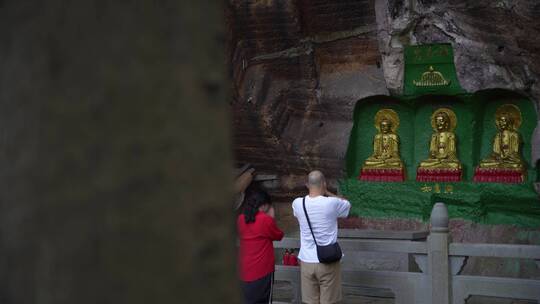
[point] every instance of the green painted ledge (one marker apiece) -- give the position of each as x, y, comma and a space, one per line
479, 202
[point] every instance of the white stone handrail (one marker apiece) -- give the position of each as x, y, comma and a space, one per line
440, 263
398, 246
496, 250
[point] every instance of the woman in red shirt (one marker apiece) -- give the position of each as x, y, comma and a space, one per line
257, 229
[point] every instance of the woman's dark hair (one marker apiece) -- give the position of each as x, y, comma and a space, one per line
254, 199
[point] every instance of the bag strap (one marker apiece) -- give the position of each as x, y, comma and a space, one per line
307, 218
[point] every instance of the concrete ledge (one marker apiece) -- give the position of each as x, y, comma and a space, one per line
466, 286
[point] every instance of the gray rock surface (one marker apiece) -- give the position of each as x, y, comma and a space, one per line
496, 43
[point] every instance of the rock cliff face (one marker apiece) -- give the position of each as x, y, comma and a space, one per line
298, 68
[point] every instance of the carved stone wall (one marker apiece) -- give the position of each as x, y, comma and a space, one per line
496, 43
298, 68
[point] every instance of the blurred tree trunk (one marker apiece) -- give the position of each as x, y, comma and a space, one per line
114, 153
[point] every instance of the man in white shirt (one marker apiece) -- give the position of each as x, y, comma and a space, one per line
321, 283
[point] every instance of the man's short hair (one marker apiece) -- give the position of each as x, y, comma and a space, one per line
315, 179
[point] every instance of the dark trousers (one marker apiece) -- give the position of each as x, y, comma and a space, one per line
259, 291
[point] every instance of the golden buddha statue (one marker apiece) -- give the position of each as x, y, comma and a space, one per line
507, 142
386, 142
442, 147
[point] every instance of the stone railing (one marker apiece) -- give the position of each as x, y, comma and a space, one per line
439, 261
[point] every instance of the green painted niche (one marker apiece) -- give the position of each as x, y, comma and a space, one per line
488, 203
